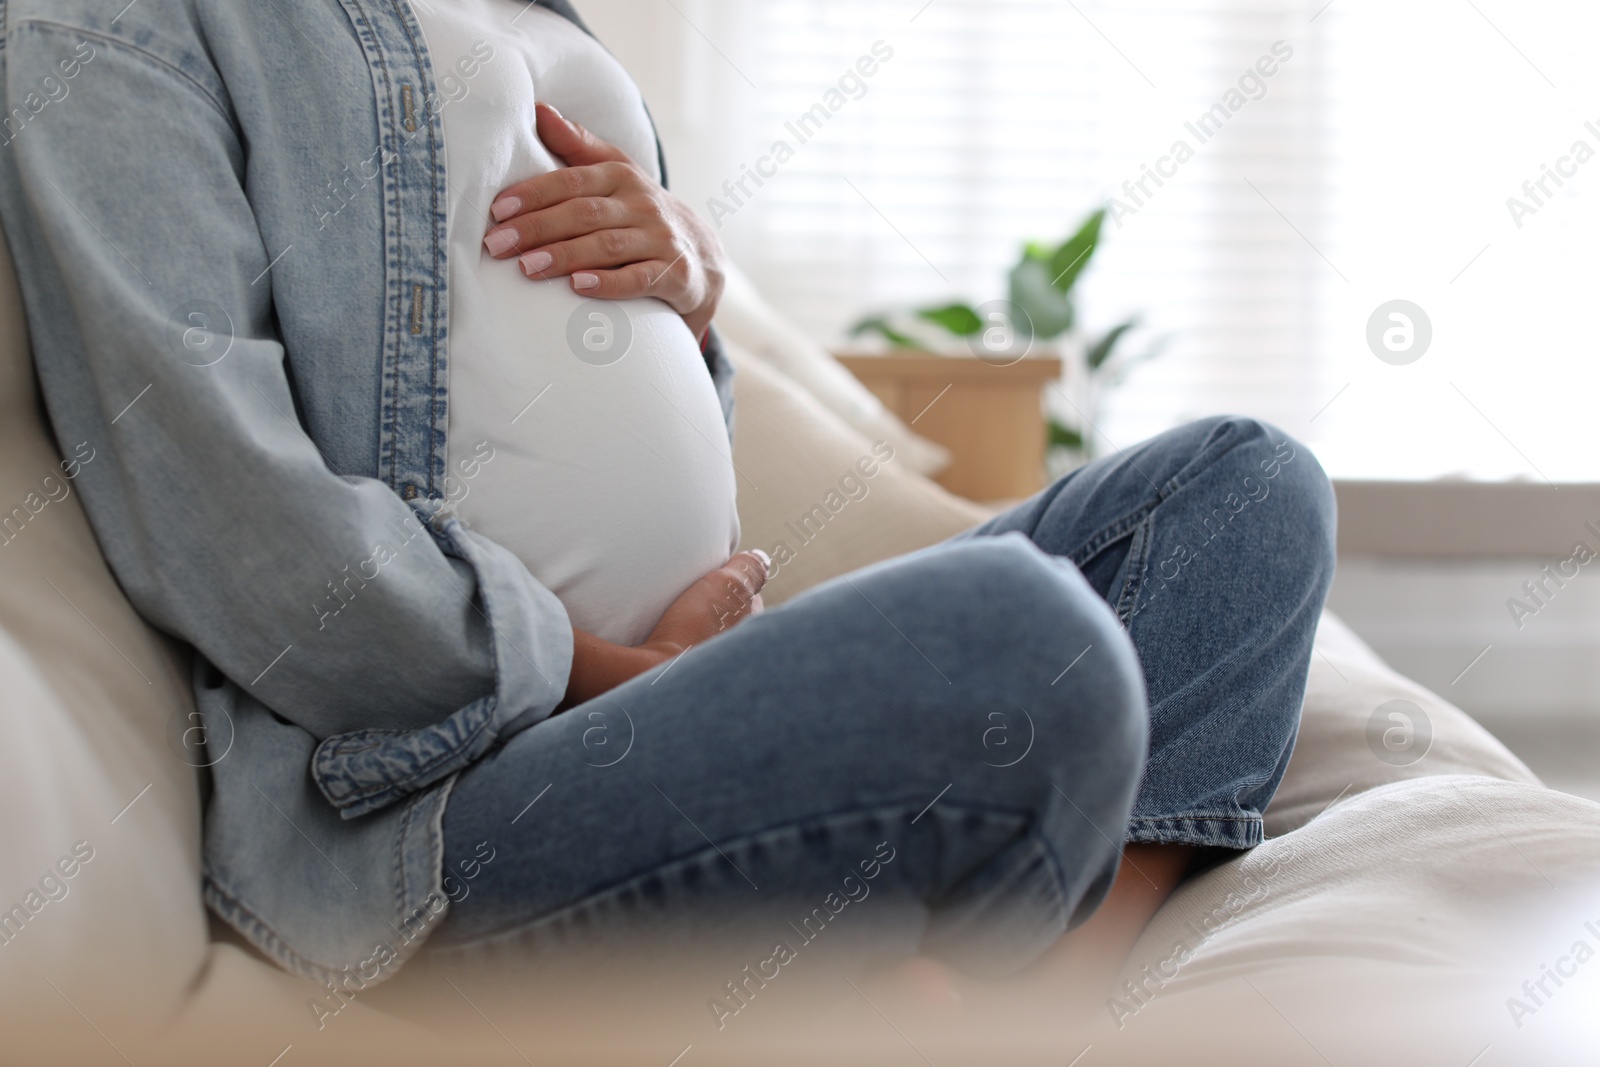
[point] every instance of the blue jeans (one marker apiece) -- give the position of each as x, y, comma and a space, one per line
967, 734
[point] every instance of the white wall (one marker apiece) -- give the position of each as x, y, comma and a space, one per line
1430, 619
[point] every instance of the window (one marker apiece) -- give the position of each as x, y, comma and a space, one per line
1373, 164
1437, 114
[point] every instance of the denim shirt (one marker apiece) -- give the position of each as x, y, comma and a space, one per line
228, 220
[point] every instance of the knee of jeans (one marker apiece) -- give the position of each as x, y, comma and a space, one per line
1006, 583
1272, 462
1052, 625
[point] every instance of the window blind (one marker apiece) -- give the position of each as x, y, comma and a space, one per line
998, 122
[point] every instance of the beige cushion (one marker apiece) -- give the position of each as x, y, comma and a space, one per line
1401, 895
1391, 929
89, 694
1344, 727
800, 474
745, 318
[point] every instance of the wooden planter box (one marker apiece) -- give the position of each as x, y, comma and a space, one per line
990, 417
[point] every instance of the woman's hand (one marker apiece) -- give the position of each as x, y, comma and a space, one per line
606, 223
726, 596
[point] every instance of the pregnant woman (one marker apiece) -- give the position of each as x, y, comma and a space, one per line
417, 433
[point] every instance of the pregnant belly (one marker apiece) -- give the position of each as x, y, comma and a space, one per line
612, 477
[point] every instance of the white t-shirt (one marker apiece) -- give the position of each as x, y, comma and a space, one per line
611, 478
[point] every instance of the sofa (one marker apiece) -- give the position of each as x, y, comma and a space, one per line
1415, 889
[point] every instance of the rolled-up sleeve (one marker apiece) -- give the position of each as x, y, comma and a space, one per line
400, 640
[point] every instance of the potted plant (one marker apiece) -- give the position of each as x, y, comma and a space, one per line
1039, 317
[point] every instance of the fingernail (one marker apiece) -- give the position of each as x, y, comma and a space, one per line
537, 261
586, 281
766, 560
505, 207
500, 241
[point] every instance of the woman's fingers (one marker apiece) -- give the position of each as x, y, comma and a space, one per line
558, 186
654, 277
754, 567
574, 218
593, 168
602, 250
575, 146
742, 578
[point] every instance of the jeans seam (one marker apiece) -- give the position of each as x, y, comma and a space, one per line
1158, 819
1131, 522
1112, 532
1137, 559
1235, 831
1057, 873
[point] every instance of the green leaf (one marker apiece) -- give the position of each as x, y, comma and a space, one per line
1038, 250
879, 325
959, 319
1047, 308
1075, 253
1101, 350
1064, 436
